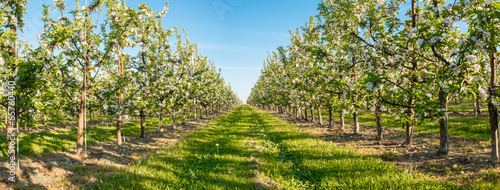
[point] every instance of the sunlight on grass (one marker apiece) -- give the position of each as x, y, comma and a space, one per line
252, 143
65, 139
474, 128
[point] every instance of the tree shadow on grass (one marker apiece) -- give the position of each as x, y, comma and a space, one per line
309, 162
50, 154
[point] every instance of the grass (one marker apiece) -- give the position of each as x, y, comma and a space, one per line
65, 139
254, 146
55, 121
474, 128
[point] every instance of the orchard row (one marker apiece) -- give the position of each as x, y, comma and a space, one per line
105, 57
405, 58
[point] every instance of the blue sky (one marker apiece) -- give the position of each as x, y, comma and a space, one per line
235, 34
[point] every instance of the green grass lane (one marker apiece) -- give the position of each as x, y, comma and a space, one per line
65, 139
473, 128
254, 146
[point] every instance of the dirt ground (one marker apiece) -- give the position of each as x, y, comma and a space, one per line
62, 170
466, 163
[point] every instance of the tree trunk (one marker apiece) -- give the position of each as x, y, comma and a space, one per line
342, 123
79, 140
195, 110
409, 133
312, 115
184, 116
173, 120
305, 112
443, 125
45, 120
409, 126
494, 131
160, 120
330, 117
143, 124
493, 110
478, 106
6, 120
201, 112
380, 135
474, 107
11, 141
319, 116
119, 122
119, 130
190, 112
356, 122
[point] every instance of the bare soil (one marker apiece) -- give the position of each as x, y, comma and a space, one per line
63, 170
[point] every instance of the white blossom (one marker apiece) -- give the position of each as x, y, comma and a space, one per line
472, 58
369, 86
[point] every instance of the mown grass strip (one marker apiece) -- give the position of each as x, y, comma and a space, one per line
473, 128
285, 157
65, 139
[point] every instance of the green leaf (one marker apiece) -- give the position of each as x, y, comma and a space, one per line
424, 29
473, 93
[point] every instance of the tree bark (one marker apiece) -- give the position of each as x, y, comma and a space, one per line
11, 139
184, 116
443, 125
160, 120
201, 112
493, 110
173, 120
409, 126
312, 115
143, 124
380, 135
478, 105
79, 140
81, 119
305, 112
319, 116
119, 122
195, 110
356, 122
342, 124
474, 107
409, 133
6, 119
330, 117
190, 112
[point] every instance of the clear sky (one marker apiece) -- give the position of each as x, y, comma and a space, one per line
235, 34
